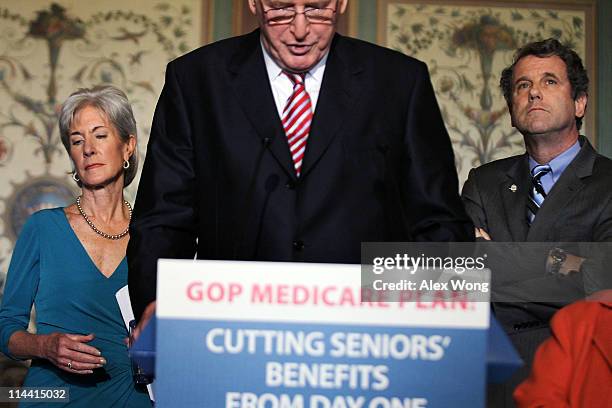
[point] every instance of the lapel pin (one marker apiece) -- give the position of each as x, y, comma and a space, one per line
513, 188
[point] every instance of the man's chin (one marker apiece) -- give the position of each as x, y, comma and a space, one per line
300, 63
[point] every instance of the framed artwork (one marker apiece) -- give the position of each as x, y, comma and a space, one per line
48, 49
466, 44
208, 16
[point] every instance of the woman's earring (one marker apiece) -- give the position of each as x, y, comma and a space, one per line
75, 177
126, 164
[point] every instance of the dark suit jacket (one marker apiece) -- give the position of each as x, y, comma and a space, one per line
577, 209
378, 165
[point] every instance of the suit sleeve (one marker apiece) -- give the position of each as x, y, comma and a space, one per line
431, 184
165, 214
21, 285
596, 269
594, 274
473, 202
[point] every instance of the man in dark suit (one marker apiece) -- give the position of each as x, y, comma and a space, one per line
292, 143
558, 191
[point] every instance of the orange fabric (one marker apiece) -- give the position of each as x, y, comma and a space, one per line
573, 368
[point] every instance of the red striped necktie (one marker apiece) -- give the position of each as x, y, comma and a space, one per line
297, 117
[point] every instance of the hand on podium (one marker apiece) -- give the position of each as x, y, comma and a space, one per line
148, 313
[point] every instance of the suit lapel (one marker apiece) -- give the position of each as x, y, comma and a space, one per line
514, 191
562, 193
339, 89
252, 89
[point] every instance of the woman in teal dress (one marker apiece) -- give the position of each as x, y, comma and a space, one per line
69, 263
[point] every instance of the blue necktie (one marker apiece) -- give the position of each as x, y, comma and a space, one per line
537, 193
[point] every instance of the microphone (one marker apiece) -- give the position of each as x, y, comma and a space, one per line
271, 185
243, 224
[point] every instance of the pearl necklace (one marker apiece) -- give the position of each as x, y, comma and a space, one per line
96, 230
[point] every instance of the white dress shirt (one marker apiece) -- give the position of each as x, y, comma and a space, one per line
282, 87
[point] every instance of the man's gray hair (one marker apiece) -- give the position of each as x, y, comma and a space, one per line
113, 103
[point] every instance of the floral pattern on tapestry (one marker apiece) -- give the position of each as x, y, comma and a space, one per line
466, 48
48, 50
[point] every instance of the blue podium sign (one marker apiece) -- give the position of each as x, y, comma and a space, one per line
267, 335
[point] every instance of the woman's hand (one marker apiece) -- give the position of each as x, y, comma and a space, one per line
70, 353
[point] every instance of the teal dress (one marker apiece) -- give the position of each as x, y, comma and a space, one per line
51, 269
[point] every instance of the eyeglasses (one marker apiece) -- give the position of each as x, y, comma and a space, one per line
286, 15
